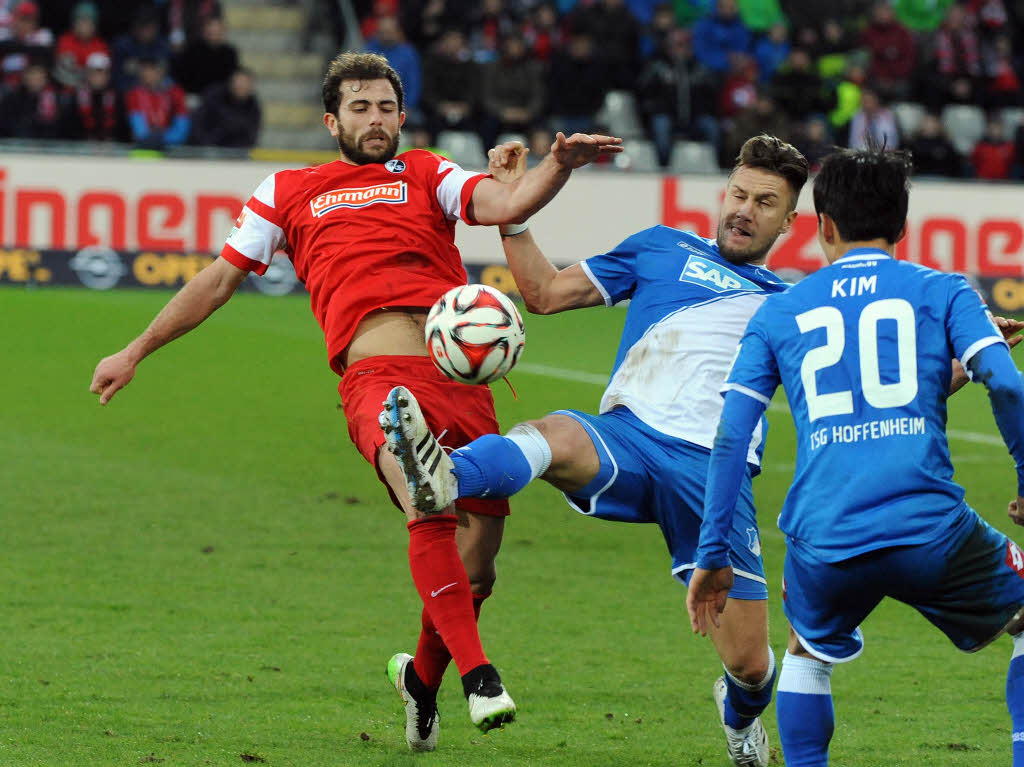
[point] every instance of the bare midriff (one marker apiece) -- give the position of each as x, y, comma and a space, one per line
387, 331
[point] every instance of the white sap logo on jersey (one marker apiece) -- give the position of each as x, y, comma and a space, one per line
703, 271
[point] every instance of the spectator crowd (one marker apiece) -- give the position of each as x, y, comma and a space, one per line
819, 74
169, 78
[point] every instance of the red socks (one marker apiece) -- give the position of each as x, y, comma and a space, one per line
449, 612
432, 657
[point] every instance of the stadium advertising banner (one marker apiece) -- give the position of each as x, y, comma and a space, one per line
116, 222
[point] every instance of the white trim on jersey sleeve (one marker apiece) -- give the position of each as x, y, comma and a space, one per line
976, 347
746, 390
265, 191
256, 239
597, 283
449, 191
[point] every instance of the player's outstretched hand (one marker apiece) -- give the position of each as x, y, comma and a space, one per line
705, 597
507, 162
1011, 330
582, 148
113, 373
1016, 511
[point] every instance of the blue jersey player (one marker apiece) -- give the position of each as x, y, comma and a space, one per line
644, 457
863, 350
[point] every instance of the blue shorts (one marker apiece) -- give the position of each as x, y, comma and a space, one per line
648, 476
969, 582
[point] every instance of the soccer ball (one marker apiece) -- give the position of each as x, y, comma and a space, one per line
474, 334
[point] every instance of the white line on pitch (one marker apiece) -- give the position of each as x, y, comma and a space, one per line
596, 379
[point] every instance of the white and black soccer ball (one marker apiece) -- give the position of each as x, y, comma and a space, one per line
474, 334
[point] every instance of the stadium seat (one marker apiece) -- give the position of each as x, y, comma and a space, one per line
1011, 117
908, 116
693, 157
619, 114
464, 147
965, 124
641, 156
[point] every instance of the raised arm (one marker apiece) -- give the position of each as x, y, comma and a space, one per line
545, 288
201, 296
494, 202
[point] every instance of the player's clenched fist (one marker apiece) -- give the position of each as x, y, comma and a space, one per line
111, 374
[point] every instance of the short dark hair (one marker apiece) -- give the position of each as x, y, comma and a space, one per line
776, 156
865, 191
358, 66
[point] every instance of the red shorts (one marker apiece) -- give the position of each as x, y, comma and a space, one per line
456, 413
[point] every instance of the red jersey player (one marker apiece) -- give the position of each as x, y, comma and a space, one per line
372, 237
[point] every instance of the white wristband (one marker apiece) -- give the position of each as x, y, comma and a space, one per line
511, 230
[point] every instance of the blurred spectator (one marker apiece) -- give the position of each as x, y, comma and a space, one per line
814, 142
668, 94
717, 37
921, 15
763, 116
798, 89
991, 15
1002, 78
642, 10
814, 13
835, 50
33, 109
451, 84
187, 17
893, 53
957, 61
97, 110
848, 93
873, 124
771, 50
24, 41
617, 36
424, 21
390, 43
143, 42
761, 15
577, 85
543, 32
739, 90
156, 108
653, 38
931, 151
207, 60
513, 91
993, 156
75, 46
490, 22
229, 114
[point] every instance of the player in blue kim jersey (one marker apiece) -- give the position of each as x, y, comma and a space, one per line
644, 457
863, 349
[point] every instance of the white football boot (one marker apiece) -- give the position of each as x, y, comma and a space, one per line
421, 717
427, 467
491, 706
747, 747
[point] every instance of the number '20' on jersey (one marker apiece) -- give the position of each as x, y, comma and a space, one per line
864, 349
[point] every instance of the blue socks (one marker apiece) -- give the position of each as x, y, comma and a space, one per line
493, 466
745, 702
804, 707
1015, 698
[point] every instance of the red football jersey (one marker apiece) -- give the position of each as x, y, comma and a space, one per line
361, 237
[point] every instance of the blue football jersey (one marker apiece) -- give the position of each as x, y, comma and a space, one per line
688, 309
863, 348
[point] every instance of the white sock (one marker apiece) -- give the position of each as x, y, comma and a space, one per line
535, 448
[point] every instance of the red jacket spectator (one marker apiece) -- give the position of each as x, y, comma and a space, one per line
22, 42
156, 109
993, 156
892, 50
75, 46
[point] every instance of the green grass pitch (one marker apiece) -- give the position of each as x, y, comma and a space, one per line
206, 573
